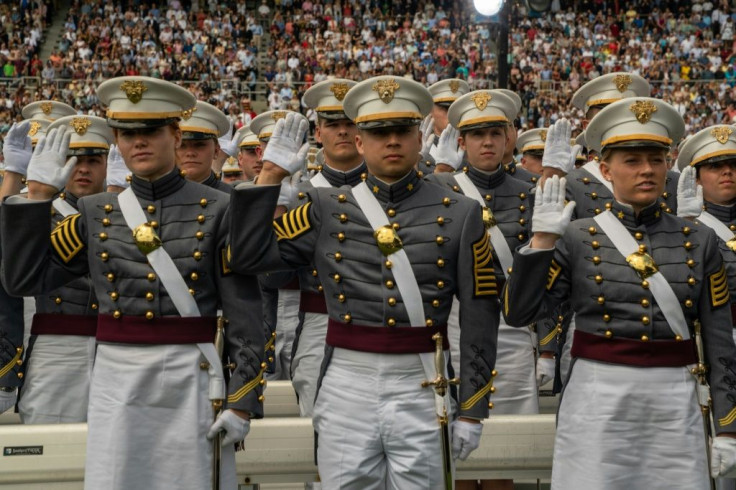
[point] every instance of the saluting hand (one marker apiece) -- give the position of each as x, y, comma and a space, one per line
286, 147
558, 153
448, 149
49, 165
17, 148
117, 172
689, 194
427, 131
551, 214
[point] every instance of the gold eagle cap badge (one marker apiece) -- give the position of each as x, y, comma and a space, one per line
278, 115
188, 113
643, 110
543, 135
46, 107
35, 126
454, 86
80, 125
481, 100
622, 82
133, 90
721, 134
386, 89
339, 90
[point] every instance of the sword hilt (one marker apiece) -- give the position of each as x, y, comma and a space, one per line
440, 383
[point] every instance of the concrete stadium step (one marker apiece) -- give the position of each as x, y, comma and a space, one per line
55, 31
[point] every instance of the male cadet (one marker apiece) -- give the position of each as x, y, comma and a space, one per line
42, 113
287, 296
200, 146
342, 166
444, 93
156, 257
531, 147
231, 172
249, 153
390, 254
61, 351
509, 163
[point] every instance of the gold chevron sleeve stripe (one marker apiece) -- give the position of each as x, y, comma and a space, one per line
485, 279
554, 271
247, 388
546, 340
719, 294
728, 419
506, 300
470, 403
293, 223
65, 238
225, 260
6, 368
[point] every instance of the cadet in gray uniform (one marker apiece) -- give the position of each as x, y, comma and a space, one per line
707, 191
389, 289
200, 145
156, 254
61, 351
641, 281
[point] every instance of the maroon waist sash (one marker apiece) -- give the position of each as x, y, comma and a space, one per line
385, 340
62, 324
632, 352
312, 302
162, 330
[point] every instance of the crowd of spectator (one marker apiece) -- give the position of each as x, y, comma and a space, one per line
232, 52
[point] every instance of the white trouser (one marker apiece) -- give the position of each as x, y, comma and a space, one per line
56, 384
307, 360
287, 319
376, 425
516, 383
149, 415
625, 427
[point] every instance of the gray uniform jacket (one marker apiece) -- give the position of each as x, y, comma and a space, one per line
616, 310
215, 183
443, 236
520, 173
592, 197
727, 216
191, 220
11, 339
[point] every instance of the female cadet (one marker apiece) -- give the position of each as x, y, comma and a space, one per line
155, 254
640, 281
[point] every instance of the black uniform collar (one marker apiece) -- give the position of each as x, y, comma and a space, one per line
70, 198
398, 191
725, 214
163, 187
337, 178
647, 216
520, 172
486, 180
211, 180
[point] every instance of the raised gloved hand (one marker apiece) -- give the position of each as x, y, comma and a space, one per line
7, 400
551, 214
558, 153
448, 149
234, 426
722, 456
17, 148
465, 438
427, 131
285, 147
226, 141
48, 163
689, 194
545, 370
117, 172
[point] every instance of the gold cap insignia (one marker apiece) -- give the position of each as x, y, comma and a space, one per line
146, 238
643, 264
80, 125
278, 115
35, 126
543, 135
454, 86
188, 113
481, 100
46, 107
643, 110
622, 82
721, 134
388, 240
386, 89
339, 90
133, 90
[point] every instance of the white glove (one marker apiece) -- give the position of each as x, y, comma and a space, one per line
117, 172
722, 456
17, 148
551, 215
226, 141
287, 193
234, 426
689, 194
7, 400
427, 131
48, 160
465, 438
557, 150
283, 147
448, 149
545, 370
